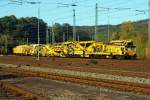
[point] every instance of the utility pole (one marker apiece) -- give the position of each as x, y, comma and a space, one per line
6, 43
74, 25
96, 21
108, 25
38, 57
38, 31
147, 49
92, 37
67, 33
74, 17
64, 37
78, 37
149, 24
50, 36
27, 40
47, 35
53, 35
108, 18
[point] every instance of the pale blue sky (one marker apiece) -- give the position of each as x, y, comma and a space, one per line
85, 11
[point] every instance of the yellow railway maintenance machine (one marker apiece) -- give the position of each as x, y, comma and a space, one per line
118, 49
90, 49
123, 49
22, 50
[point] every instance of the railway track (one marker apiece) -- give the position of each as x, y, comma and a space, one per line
145, 75
110, 84
10, 91
134, 68
108, 71
4, 95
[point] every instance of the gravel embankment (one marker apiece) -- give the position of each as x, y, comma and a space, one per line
84, 74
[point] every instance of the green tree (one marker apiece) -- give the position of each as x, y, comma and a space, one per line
115, 36
57, 29
8, 24
5, 43
127, 30
17, 30
83, 35
140, 44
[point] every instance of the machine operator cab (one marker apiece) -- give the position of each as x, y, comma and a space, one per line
130, 48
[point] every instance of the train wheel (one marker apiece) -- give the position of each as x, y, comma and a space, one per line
91, 56
120, 57
113, 57
133, 57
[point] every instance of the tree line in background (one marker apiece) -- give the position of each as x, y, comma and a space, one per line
15, 31
64, 32
129, 30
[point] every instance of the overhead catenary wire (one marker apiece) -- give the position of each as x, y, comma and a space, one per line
62, 12
73, 4
84, 2
69, 17
116, 11
3, 5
